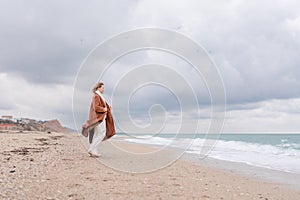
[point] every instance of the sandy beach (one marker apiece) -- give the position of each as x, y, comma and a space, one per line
38, 165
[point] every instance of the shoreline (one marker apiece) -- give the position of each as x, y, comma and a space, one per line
57, 166
287, 179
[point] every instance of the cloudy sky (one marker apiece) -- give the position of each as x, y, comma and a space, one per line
254, 44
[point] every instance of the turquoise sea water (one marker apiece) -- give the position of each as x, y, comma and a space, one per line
272, 151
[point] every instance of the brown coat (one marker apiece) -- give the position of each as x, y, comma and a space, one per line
96, 116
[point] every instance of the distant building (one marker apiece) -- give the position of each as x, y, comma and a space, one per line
8, 127
7, 117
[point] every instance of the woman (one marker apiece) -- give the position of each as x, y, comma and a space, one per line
100, 125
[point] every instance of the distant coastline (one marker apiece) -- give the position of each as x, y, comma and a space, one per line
8, 123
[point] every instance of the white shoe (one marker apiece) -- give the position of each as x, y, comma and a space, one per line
93, 154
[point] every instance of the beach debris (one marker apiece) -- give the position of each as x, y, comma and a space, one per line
43, 141
205, 196
72, 195
56, 137
26, 150
20, 151
13, 170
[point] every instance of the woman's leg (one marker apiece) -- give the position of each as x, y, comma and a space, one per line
99, 135
91, 135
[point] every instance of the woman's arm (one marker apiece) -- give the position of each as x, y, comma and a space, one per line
98, 106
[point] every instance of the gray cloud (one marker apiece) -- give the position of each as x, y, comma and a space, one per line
46, 42
254, 44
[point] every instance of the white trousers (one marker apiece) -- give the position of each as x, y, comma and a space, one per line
99, 134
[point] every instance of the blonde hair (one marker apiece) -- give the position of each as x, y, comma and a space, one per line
97, 85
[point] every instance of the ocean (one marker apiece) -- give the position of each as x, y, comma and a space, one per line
271, 151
